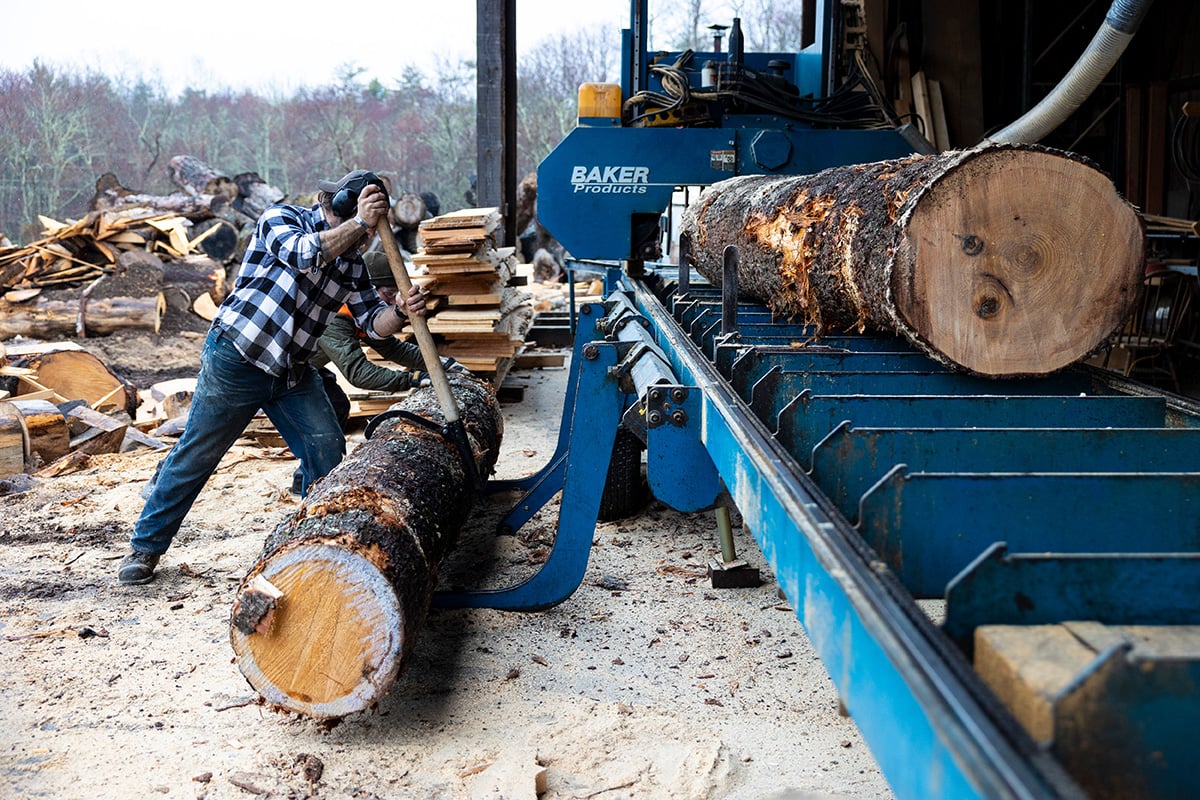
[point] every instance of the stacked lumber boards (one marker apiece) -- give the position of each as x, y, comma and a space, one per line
480, 317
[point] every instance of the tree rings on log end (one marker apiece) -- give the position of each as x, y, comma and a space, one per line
1018, 262
335, 642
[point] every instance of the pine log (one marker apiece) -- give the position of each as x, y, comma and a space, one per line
355, 566
217, 238
201, 206
196, 177
53, 315
1002, 260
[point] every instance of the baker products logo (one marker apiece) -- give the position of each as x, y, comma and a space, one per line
610, 180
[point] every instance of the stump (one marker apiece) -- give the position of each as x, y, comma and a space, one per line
1002, 260
326, 618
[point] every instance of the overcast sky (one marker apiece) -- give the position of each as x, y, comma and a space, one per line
215, 44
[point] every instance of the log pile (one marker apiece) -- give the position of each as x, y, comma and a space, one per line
193, 234
480, 316
326, 618
1002, 260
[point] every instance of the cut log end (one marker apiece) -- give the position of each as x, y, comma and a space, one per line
335, 640
1017, 263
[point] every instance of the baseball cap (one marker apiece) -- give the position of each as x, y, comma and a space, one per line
333, 187
379, 270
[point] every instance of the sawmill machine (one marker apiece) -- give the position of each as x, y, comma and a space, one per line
913, 516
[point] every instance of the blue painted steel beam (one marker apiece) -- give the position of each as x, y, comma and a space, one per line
773, 391
754, 362
999, 588
928, 526
808, 419
919, 706
850, 460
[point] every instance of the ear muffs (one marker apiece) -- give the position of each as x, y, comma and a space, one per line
345, 203
345, 200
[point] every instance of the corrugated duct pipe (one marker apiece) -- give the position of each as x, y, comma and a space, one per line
1121, 22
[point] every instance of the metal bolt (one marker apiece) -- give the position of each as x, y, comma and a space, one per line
679, 394
654, 418
679, 416
591, 352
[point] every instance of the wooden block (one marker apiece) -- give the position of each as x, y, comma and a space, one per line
920, 94
1033, 669
937, 110
98, 441
14, 441
1027, 667
48, 435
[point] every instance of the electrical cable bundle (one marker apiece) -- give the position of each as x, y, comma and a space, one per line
857, 103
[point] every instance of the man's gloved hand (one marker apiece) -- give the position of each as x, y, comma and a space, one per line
420, 379
450, 365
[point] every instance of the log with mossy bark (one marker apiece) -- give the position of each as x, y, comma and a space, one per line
326, 618
1001, 260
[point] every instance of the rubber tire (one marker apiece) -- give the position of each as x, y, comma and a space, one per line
625, 489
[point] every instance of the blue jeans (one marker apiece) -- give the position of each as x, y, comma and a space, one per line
229, 392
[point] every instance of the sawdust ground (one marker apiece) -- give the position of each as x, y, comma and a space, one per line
646, 683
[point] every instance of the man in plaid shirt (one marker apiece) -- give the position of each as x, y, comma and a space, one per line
300, 268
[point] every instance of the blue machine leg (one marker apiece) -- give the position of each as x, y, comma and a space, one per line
540, 487
592, 429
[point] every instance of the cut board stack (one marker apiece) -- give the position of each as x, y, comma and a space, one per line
481, 318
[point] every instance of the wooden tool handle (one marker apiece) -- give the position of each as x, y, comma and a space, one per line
420, 326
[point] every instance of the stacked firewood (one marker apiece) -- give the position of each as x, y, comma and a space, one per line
481, 317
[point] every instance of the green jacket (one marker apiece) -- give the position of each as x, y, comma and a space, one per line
342, 345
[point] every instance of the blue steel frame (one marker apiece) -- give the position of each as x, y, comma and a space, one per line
932, 726
928, 722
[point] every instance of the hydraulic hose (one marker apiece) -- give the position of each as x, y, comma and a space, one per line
1110, 41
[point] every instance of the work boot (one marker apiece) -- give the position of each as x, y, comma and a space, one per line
137, 568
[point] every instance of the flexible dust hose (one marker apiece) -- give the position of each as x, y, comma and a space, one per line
1110, 41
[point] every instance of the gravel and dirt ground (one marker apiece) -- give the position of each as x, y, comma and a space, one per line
646, 683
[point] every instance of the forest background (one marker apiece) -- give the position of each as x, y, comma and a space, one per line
61, 128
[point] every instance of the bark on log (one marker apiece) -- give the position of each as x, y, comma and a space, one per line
56, 314
1002, 260
198, 207
358, 561
196, 177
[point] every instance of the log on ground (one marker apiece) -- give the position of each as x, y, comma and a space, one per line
1002, 260
355, 566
